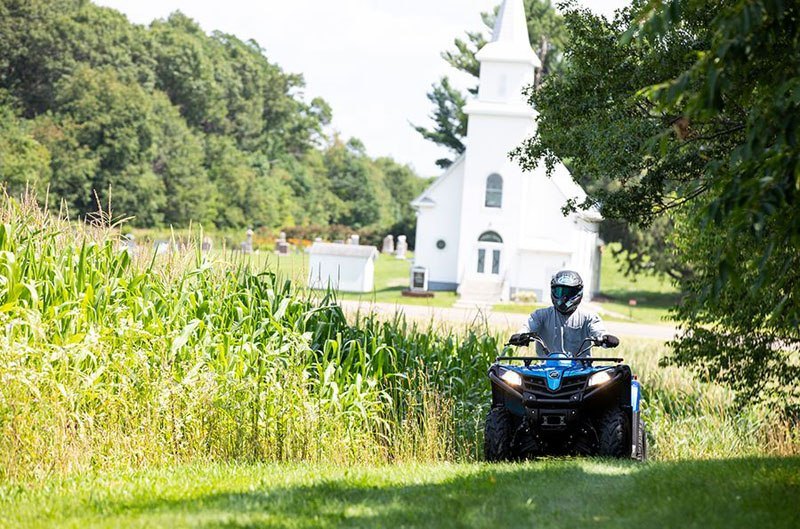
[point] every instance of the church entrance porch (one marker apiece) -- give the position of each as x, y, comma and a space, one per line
482, 285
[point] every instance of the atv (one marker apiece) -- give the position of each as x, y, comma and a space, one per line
563, 404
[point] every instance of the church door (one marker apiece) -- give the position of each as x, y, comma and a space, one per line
489, 249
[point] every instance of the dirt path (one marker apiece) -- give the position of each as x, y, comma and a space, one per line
497, 320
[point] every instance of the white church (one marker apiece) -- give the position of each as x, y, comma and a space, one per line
484, 227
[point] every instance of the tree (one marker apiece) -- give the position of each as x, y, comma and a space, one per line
24, 162
689, 108
450, 119
349, 175
169, 124
547, 35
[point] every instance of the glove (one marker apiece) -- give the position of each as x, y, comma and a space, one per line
609, 341
520, 339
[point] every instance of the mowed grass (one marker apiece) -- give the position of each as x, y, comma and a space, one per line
392, 276
654, 295
733, 493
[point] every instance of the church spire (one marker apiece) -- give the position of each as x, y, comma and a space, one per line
510, 41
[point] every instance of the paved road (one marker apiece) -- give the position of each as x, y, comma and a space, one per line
497, 320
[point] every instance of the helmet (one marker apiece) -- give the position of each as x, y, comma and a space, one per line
566, 291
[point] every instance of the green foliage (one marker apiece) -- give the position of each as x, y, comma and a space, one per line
175, 358
353, 182
547, 35
169, 125
690, 108
451, 122
23, 160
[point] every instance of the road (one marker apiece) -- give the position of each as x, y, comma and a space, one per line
497, 320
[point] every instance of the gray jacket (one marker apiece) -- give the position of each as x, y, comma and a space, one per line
565, 333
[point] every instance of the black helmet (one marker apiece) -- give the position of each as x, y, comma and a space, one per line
566, 291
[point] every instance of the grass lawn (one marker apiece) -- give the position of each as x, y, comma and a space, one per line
654, 296
752, 492
391, 277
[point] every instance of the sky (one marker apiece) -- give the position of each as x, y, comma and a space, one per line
373, 61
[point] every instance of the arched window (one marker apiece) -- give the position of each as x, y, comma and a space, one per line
490, 236
494, 191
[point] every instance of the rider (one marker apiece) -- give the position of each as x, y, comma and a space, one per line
564, 326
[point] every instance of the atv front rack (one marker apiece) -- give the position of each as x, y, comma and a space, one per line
528, 359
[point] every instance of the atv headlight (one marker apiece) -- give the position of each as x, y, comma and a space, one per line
600, 377
512, 378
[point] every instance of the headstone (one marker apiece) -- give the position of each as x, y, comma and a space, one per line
247, 245
317, 239
354, 239
208, 244
388, 244
402, 247
281, 246
419, 278
128, 244
161, 247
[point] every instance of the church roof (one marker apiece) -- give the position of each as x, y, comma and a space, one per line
423, 199
510, 41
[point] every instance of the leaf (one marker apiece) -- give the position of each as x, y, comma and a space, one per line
183, 337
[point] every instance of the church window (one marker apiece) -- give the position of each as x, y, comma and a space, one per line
494, 191
490, 236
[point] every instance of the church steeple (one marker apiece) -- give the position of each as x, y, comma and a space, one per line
510, 42
507, 63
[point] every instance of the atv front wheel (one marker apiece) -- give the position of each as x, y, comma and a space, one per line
497, 435
614, 434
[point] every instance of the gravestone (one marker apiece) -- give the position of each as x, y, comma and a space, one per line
354, 239
247, 245
419, 279
281, 246
128, 244
402, 247
207, 244
388, 244
161, 247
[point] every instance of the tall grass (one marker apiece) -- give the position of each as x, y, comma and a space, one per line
111, 360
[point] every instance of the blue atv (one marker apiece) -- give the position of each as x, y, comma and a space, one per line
563, 404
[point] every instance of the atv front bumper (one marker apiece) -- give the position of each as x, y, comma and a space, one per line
562, 408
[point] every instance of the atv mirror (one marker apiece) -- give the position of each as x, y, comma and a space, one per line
609, 341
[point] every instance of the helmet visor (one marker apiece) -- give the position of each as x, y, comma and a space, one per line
560, 291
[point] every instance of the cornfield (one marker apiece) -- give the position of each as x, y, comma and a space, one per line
109, 359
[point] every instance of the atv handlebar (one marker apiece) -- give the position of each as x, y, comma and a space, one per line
524, 339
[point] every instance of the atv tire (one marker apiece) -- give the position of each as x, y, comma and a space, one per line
497, 435
614, 433
641, 443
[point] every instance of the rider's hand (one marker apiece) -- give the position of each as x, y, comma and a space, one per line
518, 339
609, 341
